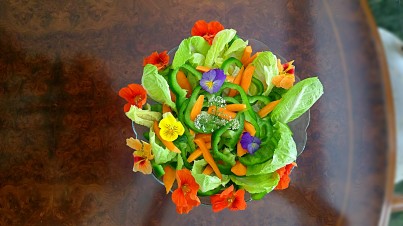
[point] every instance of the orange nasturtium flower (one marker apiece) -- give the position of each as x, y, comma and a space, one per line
229, 199
134, 94
185, 196
160, 60
142, 155
284, 173
286, 77
207, 30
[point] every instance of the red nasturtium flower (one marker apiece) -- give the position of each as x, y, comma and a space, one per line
284, 173
160, 60
185, 196
229, 199
207, 30
134, 94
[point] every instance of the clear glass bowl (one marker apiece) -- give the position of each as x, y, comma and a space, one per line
298, 126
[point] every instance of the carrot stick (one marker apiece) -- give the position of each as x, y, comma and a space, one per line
168, 144
239, 169
246, 54
184, 82
206, 137
196, 154
203, 68
247, 77
240, 151
165, 109
235, 107
237, 81
268, 108
173, 96
169, 177
249, 128
208, 170
197, 107
252, 58
221, 112
229, 78
208, 157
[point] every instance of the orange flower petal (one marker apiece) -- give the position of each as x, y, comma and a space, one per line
200, 28
214, 27
160, 60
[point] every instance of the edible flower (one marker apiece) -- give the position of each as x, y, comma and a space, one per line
250, 143
207, 30
160, 60
229, 199
185, 196
142, 155
284, 173
212, 80
286, 77
135, 95
170, 127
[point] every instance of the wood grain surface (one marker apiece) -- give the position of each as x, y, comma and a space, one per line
63, 158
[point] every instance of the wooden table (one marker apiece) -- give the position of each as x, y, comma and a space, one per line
63, 158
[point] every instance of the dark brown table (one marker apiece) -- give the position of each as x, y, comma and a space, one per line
63, 158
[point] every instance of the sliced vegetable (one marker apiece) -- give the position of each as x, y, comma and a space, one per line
249, 128
240, 151
184, 82
203, 68
208, 170
239, 169
268, 108
197, 107
221, 112
247, 77
169, 177
196, 154
208, 157
246, 54
235, 107
237, 81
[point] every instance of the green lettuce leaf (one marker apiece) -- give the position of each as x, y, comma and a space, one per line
161, 155
156, 86
297, 100
220, 43
143, 117
236, 49
263, 183
284, 153
206, 182
193, 49
265, 69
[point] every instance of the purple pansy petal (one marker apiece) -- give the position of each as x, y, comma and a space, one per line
250, 143
212, 80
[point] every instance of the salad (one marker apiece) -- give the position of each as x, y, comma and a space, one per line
218, 119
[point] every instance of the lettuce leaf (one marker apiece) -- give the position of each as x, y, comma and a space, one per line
263, 183
156, 86
143, 117
297, 100
236, 49
193, 49
206, 182
214, 55
284, 153
161, 155
265, 69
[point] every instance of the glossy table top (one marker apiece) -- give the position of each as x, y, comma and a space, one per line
63, 158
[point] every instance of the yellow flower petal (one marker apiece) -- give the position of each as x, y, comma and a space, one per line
179, 128
168, 134
134, 143
170, 127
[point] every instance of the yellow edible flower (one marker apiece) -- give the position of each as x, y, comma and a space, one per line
170, 127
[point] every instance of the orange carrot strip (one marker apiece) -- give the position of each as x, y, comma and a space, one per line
246, 54
208, 170
166, 108
206, 137
249, 128
184, 82
252, 58
208, 157
237, 81
169, 177
192, 132
168, 144
173, 96
247, 77
196, 154
239, 169
235, 107
221, 112
197, 107
203, 68
268, 108
240, 151
230, 78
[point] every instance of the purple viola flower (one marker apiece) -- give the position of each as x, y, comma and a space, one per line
250, 143
212, 80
